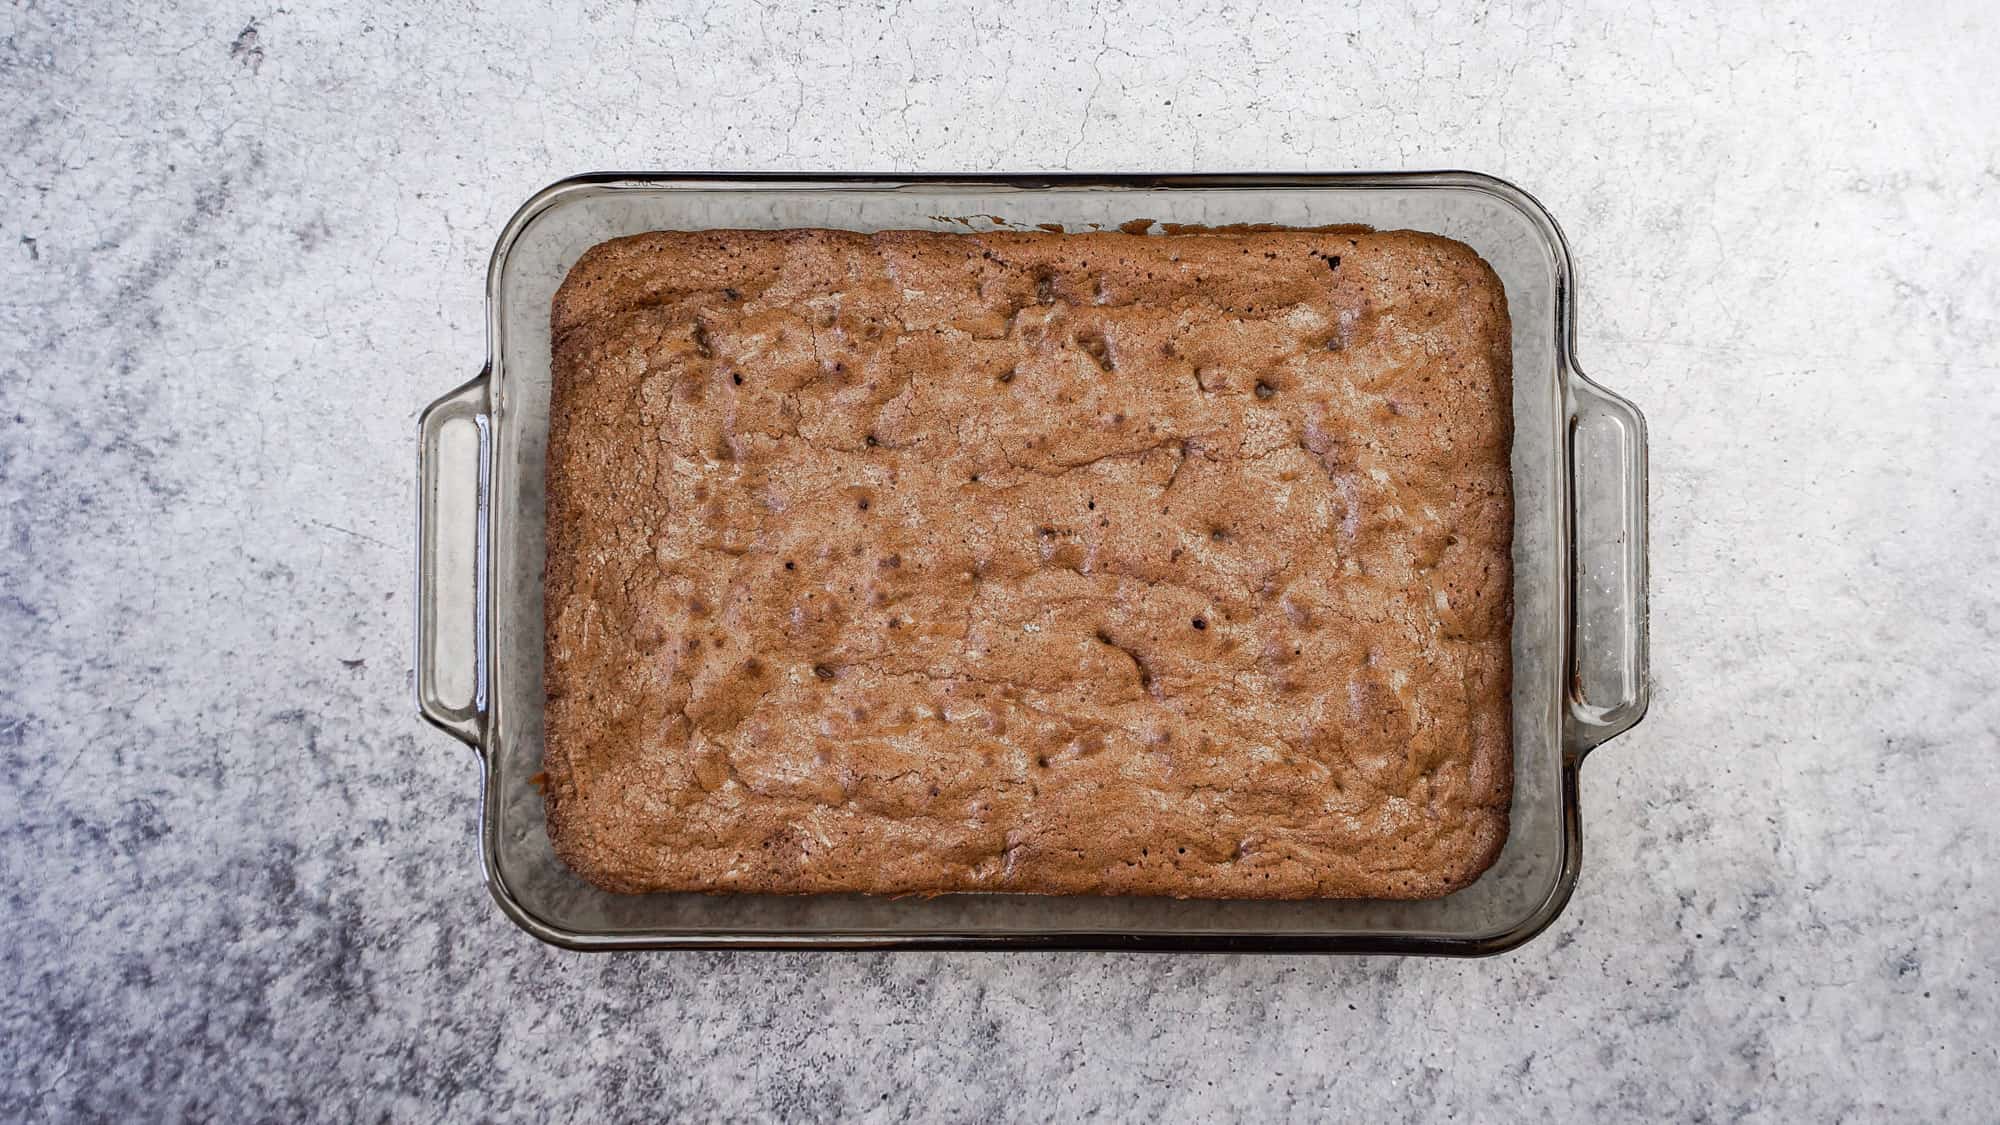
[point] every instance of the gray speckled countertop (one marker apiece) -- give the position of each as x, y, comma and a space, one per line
240, 247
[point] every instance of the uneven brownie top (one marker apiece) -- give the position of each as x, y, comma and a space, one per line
1094, 563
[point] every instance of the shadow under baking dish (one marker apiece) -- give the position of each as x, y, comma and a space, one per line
1579, 565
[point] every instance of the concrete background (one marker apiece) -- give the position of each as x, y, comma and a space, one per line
241, 246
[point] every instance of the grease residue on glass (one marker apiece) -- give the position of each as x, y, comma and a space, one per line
1147, 226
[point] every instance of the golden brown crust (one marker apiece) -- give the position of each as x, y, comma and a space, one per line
1072, 564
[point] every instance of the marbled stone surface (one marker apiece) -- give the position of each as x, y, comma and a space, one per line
240, 247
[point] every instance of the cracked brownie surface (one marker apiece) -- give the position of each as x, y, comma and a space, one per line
1068, 564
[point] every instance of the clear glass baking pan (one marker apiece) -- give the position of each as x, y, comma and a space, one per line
1579, 470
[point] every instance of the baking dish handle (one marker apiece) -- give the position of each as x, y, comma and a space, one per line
454, 474
1608, 685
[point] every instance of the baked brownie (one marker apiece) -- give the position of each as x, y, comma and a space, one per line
1065, 564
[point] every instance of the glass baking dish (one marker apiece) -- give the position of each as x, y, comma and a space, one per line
1579, 644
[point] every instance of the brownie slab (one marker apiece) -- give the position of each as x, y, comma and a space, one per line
1066, 564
